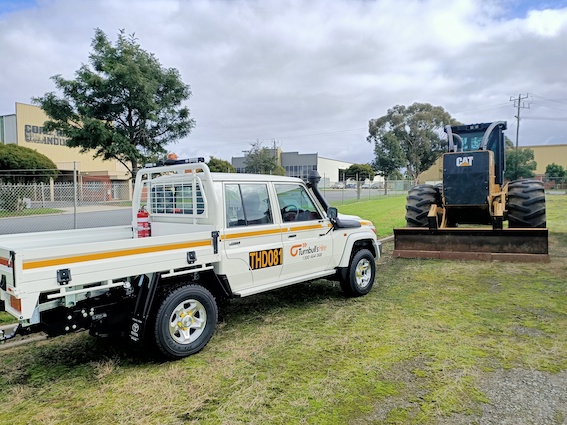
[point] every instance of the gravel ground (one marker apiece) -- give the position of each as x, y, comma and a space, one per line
516, 397
519, 396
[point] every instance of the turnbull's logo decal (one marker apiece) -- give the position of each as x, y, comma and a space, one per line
464, 161
295, 249
266, 258
304, 250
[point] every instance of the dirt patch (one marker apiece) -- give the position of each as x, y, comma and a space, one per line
519, 397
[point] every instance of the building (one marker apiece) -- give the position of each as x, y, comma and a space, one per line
25, 128
543, 156
299, 165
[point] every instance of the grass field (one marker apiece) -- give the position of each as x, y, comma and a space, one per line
412, 351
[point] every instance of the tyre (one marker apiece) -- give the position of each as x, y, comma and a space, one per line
360, 274
185, 321
526, 204
419, 200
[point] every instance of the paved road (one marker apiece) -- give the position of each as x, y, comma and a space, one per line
85, 220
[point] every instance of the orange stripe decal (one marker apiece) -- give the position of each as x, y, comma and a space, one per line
112, 254
309, 227
249, 234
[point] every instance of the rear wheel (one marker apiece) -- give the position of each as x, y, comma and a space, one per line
360, 275
526, 204
419, 200
185, 321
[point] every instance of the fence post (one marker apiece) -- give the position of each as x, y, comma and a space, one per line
74, 195
51, 189
42, 195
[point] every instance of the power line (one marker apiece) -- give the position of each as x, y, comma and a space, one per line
482, 107
562, 101
553, 107
545, 118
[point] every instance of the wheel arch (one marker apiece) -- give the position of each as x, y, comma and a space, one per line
357, 242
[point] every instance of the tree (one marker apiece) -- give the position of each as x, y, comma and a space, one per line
519, 164
24, 165
360, 172
389, 158
123, 106
220, 166
409, 136
261, 160
555, 172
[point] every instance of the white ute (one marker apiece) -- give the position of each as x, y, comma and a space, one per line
197, 238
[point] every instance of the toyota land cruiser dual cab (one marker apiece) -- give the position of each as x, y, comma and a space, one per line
197, 238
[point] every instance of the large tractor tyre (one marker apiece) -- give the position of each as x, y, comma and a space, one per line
185, 321
359, 277
526, 204
419, 200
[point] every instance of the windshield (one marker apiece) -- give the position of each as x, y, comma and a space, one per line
472, 141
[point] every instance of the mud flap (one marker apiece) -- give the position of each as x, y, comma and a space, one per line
521, 245
143, 307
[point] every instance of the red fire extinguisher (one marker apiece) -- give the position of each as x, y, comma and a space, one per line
144, 229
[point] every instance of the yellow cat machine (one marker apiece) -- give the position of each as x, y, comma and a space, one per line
463, 218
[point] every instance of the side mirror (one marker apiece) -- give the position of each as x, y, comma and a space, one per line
332, 213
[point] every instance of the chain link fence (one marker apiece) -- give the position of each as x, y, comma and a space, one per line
37, 207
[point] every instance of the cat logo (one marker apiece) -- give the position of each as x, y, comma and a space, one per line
464, 161
266, 258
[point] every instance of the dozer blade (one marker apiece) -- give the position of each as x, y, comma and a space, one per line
522, 245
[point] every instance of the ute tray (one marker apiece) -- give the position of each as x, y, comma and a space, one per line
520, 245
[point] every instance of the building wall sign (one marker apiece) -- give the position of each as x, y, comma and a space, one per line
35, 134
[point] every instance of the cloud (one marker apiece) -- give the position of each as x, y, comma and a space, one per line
311, 74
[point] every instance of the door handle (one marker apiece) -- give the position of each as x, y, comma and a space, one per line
292, 236
234, 243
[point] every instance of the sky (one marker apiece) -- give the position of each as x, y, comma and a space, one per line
308, 75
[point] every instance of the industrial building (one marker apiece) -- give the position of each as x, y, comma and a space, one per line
299, 165
25, 128
101, 179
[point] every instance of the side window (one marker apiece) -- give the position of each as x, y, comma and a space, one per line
247, 204
295, 204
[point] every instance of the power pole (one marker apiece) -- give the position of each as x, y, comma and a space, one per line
520, 105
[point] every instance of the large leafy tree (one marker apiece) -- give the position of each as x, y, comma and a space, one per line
261, 160
555, 172
122, 105
24, 165
409, 137
389, 159
220, 165
520, 164
360, 172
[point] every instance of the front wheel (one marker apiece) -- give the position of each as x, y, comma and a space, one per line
419, 200
526, 204
360, 274
185, 321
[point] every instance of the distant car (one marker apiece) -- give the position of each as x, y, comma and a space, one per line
366, 186
375, 186
338, 185
351, 186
